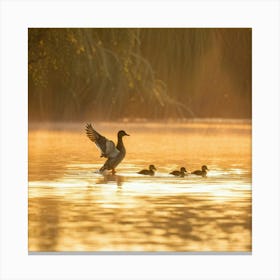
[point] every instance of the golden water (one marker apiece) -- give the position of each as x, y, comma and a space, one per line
73, 208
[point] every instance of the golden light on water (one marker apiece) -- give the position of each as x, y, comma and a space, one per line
176, 75
73, 208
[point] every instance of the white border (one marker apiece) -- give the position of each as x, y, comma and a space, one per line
17, 16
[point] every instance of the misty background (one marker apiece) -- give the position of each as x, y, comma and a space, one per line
77, 74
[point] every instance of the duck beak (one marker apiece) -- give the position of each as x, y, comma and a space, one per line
127, 134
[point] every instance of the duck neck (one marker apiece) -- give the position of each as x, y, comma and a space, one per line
120, 143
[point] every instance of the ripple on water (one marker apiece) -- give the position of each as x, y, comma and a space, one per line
73, 208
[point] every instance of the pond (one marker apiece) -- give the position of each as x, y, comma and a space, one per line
73, 208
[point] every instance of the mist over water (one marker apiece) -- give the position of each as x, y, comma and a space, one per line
73, 208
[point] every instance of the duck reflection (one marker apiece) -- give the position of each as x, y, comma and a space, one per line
111, 178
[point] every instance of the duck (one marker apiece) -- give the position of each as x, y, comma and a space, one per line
114, 153
150, 172
180, 173
202, 172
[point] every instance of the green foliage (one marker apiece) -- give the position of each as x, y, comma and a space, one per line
111, 73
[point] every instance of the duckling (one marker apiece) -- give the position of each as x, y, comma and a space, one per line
201, 172
180, 173
150, 172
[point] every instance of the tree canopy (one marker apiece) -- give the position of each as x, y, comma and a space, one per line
113, 73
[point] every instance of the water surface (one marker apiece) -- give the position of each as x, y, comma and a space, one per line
73, 208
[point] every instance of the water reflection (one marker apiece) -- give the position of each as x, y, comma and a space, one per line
73, 208
175, 223
109, 178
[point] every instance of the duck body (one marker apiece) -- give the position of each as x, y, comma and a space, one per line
202, 172
199, 173
180, 173
114, 154
150, 171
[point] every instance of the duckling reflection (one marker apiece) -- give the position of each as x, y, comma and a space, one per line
150, 172
202, 172
109, 178
180, 173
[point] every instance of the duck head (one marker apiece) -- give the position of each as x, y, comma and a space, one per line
122, 133
183, 169
152, 167
204, 168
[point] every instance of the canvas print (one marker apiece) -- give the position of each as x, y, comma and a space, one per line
139, 140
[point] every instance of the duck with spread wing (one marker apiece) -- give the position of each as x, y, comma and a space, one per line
114, 154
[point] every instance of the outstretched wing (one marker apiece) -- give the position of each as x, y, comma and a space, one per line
107, 147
